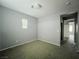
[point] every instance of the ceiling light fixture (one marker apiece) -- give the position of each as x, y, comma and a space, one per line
68, 2
36, 6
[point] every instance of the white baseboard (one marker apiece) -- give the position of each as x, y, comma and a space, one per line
17, 45
27, 42
49, 42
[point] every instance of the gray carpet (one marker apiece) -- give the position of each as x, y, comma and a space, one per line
39, 50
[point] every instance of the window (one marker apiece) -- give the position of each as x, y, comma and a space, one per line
24, 23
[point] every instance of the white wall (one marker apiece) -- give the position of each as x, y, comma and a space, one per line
66, 30
49, 29
12, 32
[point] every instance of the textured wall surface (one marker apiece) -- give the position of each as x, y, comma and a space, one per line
12, 32
49, 29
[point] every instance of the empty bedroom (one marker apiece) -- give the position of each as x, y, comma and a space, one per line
39, 29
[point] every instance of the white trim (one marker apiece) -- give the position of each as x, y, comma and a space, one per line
16, 45
49, 42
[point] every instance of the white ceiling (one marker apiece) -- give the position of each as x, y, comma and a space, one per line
48, 6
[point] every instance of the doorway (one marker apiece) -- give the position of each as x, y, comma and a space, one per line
69, 28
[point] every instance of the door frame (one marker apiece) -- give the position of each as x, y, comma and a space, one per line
66, 17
